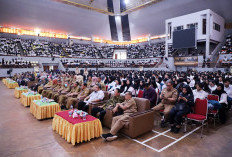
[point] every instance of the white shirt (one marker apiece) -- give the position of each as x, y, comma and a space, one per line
95, 95
199, 94
223, 98
192, 83
228, 90
159, 86
111, 85
114, 87
131, 89
212, 88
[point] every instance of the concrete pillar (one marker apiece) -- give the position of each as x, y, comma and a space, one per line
166, 39
207, 46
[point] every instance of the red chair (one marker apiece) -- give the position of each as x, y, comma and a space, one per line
106, 87
213, 97
200, 113
140, 94
213, 112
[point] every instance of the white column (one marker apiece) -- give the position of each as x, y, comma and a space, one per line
166, 42
207, 46
118, 19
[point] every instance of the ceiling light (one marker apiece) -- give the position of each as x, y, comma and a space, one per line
126, 1
37, 31
118, 18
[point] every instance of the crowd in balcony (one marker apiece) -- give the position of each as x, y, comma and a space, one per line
227, 48
16, 63
42, 48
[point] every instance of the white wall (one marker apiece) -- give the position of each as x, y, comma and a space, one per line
197, 17
215, 35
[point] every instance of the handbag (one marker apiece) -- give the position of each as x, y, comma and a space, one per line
180, 106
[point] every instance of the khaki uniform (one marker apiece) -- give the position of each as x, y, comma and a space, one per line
74, 101
103, 86
64, 91
45, 92
54, 91
63, 98
119, 121
40, 89
79, 79
48, 85
89, 84
165, 104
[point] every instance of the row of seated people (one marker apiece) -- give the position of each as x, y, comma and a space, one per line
227, 48
15, 63
174, 103
226, 61
44, 48
98, 63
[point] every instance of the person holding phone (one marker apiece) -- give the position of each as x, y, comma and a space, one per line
183, 106
168, 100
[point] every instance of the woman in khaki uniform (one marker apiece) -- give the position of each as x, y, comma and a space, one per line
64, 90
55, 90
74, 92
49, 87
83, 93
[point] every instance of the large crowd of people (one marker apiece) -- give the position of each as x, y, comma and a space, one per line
42, 48
173, 92
110, 63
9, 47
17, 63
227, 48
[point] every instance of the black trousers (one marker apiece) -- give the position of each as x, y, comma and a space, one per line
96, 110
175, 116
222, 113
83, 106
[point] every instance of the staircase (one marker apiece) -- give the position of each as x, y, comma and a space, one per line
215, 54
20, 48
64, 52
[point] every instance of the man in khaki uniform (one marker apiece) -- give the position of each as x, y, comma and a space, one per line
75, 89
63, 91
103, 86
89, 82
129, 107
83, 93
49, 87
55, 90
42, 84
100, 111
168, 100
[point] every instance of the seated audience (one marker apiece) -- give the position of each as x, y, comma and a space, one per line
183, 106
168, 100
96, 96
129, 107
100, 111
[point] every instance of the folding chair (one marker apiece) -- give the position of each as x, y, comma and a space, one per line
213, 112
199, 114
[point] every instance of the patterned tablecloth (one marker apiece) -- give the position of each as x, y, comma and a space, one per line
42, 110
10, 83
26, 98
19, 90
76, 130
